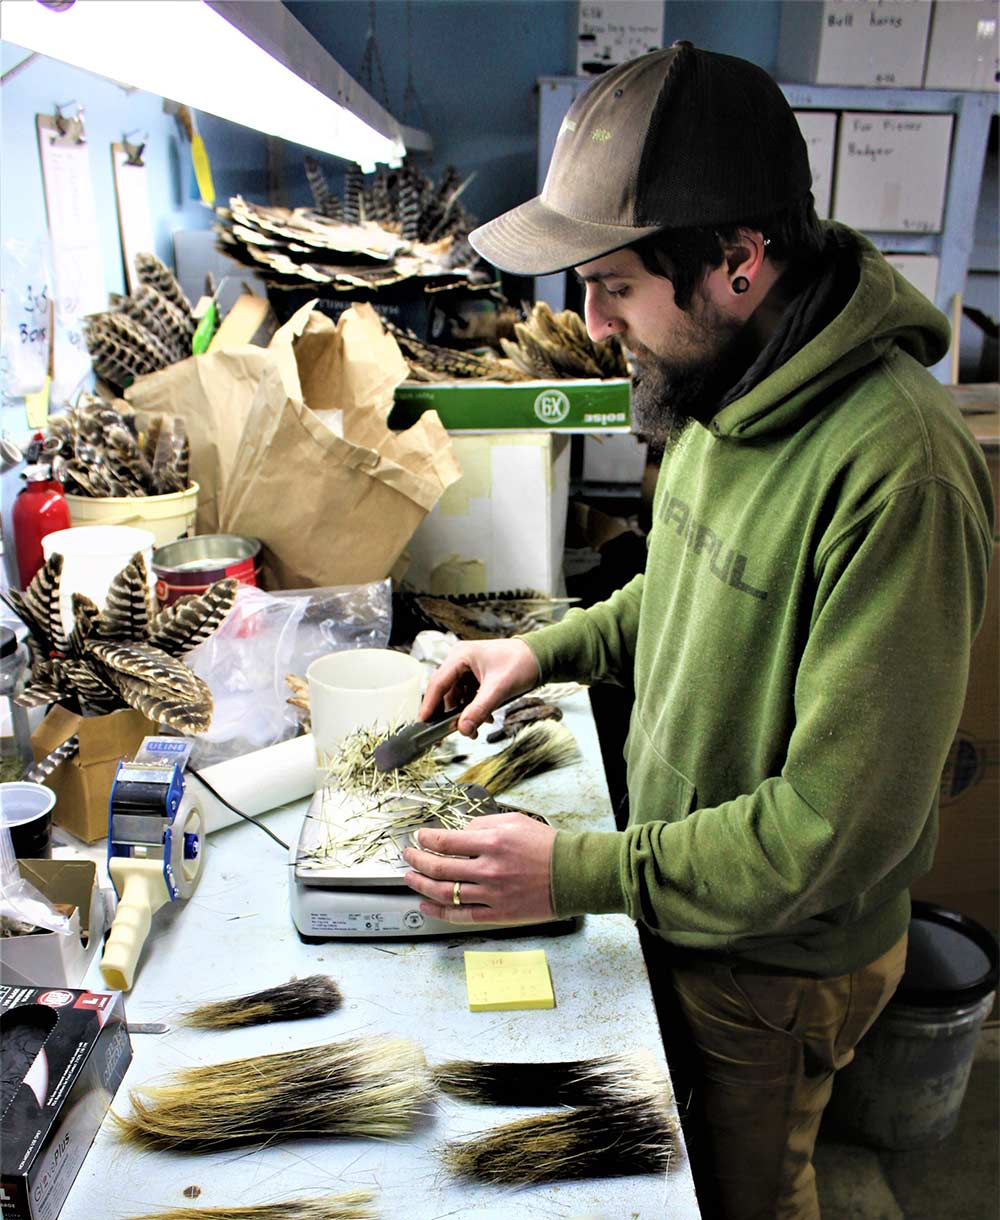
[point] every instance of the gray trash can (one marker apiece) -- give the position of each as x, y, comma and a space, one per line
905, 1086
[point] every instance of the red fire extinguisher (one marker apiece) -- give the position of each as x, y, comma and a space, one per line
39, 509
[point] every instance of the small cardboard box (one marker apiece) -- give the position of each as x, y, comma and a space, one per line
892, 171
964, 47
503, 524
966, 872
523, 406
54, 1108
819, 130
854, 42
50, 959
82, 784
920, 269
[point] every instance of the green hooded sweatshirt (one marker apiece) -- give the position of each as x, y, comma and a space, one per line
798, 647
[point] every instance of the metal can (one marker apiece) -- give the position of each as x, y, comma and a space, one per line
191, 565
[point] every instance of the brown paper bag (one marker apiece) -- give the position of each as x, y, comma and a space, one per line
82, 784
318, 477
212, 394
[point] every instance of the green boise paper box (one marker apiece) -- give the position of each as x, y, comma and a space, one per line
524, 406
64, 1055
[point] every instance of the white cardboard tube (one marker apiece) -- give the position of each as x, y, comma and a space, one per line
258, 782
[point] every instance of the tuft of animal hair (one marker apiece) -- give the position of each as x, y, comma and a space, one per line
354, 1205
572, 1082
376, 1087
314, 996
628, 1137
539, 747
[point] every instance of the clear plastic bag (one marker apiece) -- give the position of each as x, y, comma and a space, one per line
267, 636
22, 906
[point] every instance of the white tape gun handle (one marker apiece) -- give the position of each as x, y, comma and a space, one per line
143, 891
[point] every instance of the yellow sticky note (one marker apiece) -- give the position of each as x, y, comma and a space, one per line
36, 405
202, 170
500, 981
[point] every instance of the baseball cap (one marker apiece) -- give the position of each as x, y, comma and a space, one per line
676, 138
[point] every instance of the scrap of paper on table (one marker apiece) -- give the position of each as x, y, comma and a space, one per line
501, 981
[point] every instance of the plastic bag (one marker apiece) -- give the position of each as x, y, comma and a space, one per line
23, 908
267, 636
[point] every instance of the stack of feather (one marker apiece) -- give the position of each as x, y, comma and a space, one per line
101, 454
552, 345
395, 227
144, 331
430, 362
474, 616
121, 656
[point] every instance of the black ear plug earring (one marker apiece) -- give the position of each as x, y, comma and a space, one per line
740, 285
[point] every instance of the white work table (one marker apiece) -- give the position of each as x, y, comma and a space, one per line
235, 936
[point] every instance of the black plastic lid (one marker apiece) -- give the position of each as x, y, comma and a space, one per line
950, 959
8, 642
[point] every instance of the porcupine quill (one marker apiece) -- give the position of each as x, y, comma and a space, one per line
572, 1082
354, 1205
634, 1136
376, 1087
314, 996
542, 746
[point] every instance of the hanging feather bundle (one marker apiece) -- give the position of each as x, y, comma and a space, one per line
314, 996
353, 1205
142, 332
601, 1141
376, 1087
575, 1082
121, 656
555, 345
540, 747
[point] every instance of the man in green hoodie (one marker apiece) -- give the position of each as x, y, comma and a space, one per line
798, 645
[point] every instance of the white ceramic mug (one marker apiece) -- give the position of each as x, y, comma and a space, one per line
360, 688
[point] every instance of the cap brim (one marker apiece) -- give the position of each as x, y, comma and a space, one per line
534, 239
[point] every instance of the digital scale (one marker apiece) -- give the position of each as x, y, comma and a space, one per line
334, 898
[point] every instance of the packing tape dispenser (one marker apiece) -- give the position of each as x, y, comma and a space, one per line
155, 853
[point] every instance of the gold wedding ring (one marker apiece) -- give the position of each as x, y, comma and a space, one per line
456, 894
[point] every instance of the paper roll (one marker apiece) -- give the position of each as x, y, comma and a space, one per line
258, 782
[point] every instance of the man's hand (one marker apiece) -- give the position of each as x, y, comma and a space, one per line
497, 872
500, 669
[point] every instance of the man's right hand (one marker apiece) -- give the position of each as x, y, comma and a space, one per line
501, 669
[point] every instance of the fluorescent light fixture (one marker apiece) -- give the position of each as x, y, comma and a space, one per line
248, 61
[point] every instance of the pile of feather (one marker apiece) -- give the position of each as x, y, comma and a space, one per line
396, 227
144, 331
124, 655
102, 453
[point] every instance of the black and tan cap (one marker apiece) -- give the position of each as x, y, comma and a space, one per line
676, 138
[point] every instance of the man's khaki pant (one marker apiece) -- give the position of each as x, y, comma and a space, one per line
770, 1045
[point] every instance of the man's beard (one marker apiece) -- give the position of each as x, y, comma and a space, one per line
668, 396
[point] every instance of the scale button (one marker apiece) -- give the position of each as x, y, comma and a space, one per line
413, 919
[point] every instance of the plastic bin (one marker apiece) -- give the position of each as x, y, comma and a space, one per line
905, 1086
167, 517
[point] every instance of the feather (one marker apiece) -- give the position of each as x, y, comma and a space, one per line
126, 614
183, 714
159, 673
190, 621
45, 766
42, 600
85, 615
151, 271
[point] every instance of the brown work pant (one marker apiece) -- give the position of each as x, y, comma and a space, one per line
769, 1045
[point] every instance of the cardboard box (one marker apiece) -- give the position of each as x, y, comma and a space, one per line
522, 406
82, 784
50, 1118
854, 42
892, 171
920, 269
966, 872
819, 130
503, 524
251, 320
964, 47
54, 959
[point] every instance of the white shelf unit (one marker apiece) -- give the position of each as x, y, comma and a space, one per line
953, 245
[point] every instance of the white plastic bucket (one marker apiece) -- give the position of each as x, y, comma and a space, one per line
168, 517
93, 555
360, 688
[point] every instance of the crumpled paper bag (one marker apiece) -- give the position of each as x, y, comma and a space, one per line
318, 476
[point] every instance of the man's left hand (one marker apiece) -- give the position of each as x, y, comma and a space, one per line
497, 872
